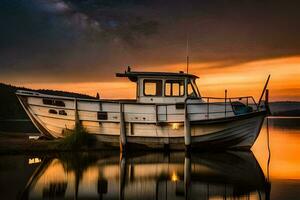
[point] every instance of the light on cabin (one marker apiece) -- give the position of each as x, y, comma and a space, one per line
175, 126
33, 160
174, 177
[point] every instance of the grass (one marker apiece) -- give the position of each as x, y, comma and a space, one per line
76, 139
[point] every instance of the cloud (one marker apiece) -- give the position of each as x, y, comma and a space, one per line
66, 41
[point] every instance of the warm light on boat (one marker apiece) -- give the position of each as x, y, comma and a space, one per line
175, 126
174, 177
33, 160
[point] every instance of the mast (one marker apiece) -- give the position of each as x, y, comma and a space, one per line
187, 54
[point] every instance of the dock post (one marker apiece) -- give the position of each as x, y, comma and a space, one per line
77, 120
187, 129
122, 129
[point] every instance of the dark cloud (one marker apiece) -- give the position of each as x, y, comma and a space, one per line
76, 40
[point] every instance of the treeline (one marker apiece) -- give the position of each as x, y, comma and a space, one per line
10, 107
285, 108
290, 113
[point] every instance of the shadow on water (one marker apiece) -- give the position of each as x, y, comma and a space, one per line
176, 175
17, 126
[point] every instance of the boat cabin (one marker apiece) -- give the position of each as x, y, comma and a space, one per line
163, 87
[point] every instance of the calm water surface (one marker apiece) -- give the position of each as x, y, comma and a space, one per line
175, 175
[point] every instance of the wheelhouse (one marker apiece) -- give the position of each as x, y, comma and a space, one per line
160, 87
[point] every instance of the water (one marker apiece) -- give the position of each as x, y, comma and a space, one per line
175, 175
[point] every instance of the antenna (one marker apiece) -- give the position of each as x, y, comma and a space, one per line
187, 54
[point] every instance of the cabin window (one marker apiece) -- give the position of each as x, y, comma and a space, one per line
53, 102
152, 87
192, 89
174, 88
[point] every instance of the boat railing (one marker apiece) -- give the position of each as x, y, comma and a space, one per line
211, 107
247, 101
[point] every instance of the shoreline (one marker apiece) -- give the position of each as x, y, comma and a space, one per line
21, 144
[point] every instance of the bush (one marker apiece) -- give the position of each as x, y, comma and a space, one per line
76, 138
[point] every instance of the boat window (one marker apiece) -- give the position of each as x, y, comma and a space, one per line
196, 88
52, 111
53, 102
174, 88
59, 103
48, 101
191, 92
152, 87
192, 89
62, 112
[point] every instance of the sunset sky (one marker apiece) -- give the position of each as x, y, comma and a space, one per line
78, 46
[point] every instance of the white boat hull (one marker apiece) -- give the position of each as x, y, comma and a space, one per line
236, 134
146, 125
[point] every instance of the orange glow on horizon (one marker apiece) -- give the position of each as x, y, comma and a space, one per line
240, 80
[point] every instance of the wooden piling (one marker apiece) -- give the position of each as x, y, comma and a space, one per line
225, 102
77, 120
122, 129
187, 129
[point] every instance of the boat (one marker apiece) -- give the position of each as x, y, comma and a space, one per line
168, 112
151, 175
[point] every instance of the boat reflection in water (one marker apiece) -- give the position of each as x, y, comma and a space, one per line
174, 175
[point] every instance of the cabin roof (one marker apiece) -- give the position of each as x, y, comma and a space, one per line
132, 75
